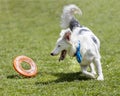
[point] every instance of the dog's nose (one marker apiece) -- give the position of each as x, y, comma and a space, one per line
51, 54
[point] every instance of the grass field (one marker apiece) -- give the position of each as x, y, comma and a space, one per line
31, 28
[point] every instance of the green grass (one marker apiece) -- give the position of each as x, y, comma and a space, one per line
31, 28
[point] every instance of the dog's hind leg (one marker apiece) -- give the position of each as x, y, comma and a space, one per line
99, 69
86, 73
92, 68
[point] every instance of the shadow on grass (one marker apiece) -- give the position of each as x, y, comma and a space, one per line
65, 77
16, 77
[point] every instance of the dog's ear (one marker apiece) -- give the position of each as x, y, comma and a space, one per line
67, 35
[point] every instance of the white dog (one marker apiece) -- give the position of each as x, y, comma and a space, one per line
79, 42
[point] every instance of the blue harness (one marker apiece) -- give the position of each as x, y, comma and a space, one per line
77, 54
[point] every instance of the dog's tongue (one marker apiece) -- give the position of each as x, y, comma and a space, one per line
62, 55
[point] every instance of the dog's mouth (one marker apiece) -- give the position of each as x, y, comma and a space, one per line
62, 55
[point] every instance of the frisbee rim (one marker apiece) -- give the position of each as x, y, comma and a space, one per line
17, 66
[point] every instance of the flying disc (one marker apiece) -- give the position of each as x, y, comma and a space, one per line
18, 67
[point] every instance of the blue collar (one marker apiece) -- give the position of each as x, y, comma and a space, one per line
78, 54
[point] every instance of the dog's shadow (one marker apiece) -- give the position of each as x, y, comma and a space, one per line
61, 77
65, 77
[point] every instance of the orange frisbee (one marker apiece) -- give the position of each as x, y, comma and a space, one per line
17, 66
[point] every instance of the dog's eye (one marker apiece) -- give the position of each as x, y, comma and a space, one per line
58, 45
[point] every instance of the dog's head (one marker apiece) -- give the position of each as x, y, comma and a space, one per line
63, 44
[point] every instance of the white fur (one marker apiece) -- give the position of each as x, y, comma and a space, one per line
68, 14
89, 51
88, 48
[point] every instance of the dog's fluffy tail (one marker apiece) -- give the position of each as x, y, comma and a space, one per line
68, 14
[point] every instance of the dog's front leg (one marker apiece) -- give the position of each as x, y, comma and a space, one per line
99, 69
86, 73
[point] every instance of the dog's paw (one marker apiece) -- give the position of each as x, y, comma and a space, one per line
100, 78
92, 76
94, 73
